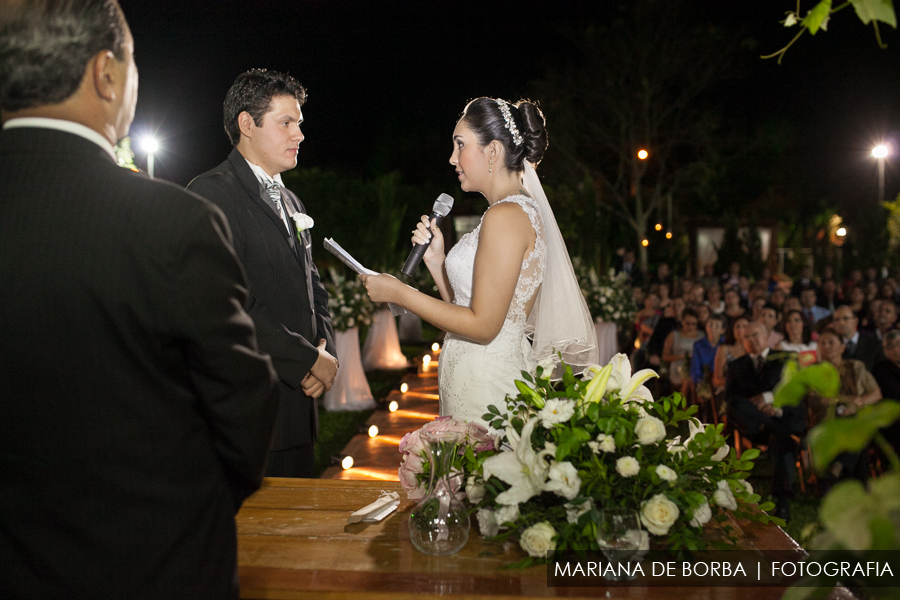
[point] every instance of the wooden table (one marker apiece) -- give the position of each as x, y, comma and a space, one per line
294, 543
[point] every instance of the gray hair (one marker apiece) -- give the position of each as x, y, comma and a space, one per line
891, 337
45, 46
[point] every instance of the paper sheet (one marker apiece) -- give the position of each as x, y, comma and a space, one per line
345, 257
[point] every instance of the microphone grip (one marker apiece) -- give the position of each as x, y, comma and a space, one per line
415, 257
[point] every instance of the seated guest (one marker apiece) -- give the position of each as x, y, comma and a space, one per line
856, 299
813, 313
804, 281
703, 314
667, 324
743, 288
733, 308
646, 318
703, 357
859, 347
768, 316
858, 388
797, 334
730, 279
750, 382
777, 298
662, 275
679, 345
665, 295
829, 297
714, 299
756, 307
709, 277
792, 303
885, 320
698, 294
730, 349
887, 374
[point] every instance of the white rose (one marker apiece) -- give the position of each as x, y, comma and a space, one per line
628, 466
666, 474
507, 514
721, 453
474, 490
487, 522
594, 446
574, 511
701, 515
724, 496
556, 410
746, 485
649, 430
607, 443
351, 322
658, 514
537, 540
563, 480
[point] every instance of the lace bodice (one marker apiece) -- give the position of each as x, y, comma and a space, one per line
460, 264
473, 376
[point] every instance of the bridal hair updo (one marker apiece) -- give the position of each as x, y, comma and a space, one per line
486, 120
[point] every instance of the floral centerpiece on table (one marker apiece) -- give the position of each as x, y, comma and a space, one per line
348, 302
574, 448
414, 466
609, 298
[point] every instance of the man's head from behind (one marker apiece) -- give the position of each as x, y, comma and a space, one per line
69, 59
263, 117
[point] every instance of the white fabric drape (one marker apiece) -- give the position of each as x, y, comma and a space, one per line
382, 347
351, 388
607, 342
411, 328
560, 320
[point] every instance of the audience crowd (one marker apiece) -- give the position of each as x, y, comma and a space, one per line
722, 341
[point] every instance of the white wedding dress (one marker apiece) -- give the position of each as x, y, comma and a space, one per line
470, 375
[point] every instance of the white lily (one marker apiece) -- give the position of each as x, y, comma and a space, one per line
596, 389
631, 388
522, 468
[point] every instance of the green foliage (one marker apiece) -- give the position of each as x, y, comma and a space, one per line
124, 154
796, 382
817, 18
850, 434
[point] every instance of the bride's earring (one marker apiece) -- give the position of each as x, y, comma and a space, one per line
491, 166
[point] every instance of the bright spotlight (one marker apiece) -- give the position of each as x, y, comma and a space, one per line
643, 154
841, 231
393, 406
150, 145
347, 462
373, 431
404, 387
880, 151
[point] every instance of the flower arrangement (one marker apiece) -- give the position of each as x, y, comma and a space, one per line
573, 449
348, 302
609, 298
414, 466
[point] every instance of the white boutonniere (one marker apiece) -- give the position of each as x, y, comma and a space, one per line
303, 222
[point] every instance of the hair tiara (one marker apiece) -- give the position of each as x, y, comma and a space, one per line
510, 124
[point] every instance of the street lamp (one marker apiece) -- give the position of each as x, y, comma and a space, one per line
150, 146
880, 152
643, 154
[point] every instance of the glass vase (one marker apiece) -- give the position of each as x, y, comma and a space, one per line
439, 523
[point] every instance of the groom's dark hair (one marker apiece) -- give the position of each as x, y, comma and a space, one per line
253, 91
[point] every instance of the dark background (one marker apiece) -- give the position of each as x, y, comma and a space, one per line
388, 79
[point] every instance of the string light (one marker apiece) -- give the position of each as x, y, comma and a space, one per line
645, 242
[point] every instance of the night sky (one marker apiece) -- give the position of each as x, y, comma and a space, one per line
388, 79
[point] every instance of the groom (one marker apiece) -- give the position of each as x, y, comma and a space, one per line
287, 301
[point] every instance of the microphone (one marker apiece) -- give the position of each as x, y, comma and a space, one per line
440, 210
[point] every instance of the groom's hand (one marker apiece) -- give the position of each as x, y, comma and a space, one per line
312, 387
325, 368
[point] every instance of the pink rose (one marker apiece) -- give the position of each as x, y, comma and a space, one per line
445, 424
411, 443
479, 437
410, 468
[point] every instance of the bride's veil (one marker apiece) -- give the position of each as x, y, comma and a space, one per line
559, 320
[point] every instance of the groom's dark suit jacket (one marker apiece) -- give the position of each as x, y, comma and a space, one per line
287, 300
136, 412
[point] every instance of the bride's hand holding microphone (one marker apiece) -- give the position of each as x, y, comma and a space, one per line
387, 288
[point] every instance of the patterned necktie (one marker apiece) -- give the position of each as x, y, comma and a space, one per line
274, 191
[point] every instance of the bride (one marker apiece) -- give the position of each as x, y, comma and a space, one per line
510, 297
